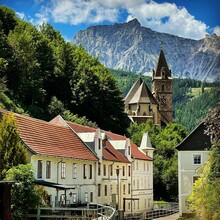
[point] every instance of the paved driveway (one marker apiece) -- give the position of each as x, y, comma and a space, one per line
170, 217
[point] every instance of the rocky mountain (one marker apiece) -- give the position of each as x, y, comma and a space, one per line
131, 47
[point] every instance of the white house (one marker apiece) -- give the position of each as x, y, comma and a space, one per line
80, 164
61, 160
134, 166
193, 151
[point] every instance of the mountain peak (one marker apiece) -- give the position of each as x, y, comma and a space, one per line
130, 46
134, 23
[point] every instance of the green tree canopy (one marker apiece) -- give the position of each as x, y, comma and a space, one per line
12, 151
25, 194
164, 140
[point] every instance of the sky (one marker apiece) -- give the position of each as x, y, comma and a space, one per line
185, 18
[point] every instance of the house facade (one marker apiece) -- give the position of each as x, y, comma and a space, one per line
60, 159
193, 151
79, 164
126, 181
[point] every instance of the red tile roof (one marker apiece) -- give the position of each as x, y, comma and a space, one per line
114, 136
81, 128
110, 153
137, 154
49, 139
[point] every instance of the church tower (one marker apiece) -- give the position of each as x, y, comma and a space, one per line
162, 88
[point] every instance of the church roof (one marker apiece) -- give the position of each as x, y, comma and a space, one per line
143, 95
196, 140
162, 63
132, 91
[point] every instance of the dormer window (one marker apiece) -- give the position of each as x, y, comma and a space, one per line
99, 143
129, 150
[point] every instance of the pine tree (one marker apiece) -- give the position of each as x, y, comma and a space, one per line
12, 151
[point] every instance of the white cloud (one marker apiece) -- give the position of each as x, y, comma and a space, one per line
21, 15
217, 30
162, 17
167, 17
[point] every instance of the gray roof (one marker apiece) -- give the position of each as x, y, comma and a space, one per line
140, 93
196, 140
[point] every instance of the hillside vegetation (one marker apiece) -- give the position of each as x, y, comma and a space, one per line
191, 98
42, 75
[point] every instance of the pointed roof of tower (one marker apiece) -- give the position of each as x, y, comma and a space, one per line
132, 91
143, 95
162, 63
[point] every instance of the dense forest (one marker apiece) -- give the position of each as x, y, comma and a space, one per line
191, 98
42, 75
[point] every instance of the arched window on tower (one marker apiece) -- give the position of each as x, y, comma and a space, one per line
162, 88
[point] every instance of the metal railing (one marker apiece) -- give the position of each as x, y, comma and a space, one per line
89, 212
161, 209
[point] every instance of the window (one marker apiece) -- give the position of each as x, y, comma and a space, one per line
111, 189
124, 189
137, 165
149, 202
104, 170
91, 196
144, 166
129, 150
100, 141
195, 178
48, 169
39, 169
129, 188
84, 171
106, 190
86, 197
129, 170
129, 205
63, 199
74, 171
74, 197
123, 170
162, 88
63, 170
99, 169
90, 171
111, 170
197, 159
99, 190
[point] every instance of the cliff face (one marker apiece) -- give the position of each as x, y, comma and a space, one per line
131, 47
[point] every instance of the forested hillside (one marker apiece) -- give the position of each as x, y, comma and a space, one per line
191, 98
42, 75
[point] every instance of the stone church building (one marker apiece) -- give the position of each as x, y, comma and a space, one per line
141, 104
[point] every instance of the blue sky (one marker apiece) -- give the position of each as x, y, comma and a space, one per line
186, 18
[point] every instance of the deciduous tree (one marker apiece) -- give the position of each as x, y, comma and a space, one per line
12, 151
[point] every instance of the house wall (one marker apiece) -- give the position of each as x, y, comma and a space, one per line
82, 186
187, 170
111, 182
142, 185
